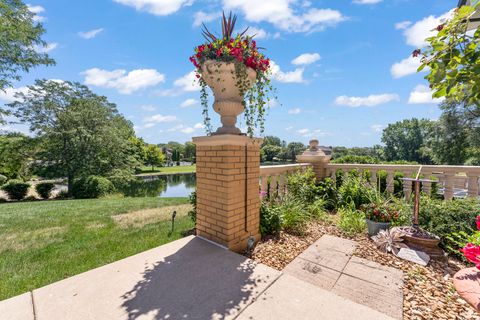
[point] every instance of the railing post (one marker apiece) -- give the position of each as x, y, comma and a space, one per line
472, 185
390, 181
407, 187
317, 158
449, 181
373, 178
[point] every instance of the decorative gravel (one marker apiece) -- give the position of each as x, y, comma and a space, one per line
428, 291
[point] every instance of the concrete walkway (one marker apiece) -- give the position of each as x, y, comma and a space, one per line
186, 279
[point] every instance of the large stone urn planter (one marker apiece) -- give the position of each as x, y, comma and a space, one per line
221, 78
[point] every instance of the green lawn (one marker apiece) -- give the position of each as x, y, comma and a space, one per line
43, 242
167, 170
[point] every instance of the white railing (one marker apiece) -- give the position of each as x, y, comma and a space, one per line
273, 179
458, 181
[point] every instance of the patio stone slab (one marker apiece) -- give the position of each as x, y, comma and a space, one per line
331, 252
290, 298
373, 285
316, 274
17, 308
186, 279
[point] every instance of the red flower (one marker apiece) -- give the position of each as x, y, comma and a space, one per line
478, 222
416, 53
440, 27
472, 253
219, 52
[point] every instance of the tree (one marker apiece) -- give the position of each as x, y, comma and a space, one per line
80, 133
453, 59
154, 156
271, 151
407, 140
294, 149
189, 151
16, 154
19, 42
271, 140
449, 142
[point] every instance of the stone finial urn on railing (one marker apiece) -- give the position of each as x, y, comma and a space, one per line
222, 79
238, 75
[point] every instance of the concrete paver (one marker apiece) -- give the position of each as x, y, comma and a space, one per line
290, 298
17, 308
316, 274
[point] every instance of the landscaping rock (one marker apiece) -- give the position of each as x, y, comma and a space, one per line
418, 257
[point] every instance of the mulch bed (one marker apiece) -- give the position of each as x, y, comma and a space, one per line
428, 291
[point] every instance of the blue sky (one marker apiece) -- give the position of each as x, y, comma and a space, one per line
343, 69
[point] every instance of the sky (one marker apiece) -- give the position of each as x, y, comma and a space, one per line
342, 69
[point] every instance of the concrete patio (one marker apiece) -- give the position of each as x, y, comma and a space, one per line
192, 278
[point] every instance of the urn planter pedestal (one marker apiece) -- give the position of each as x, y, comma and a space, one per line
222, 79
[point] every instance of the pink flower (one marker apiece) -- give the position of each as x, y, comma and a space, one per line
478, 222
263, 194
472, 253
416, 53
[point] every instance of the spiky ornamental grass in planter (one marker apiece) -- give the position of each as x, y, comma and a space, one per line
238, 75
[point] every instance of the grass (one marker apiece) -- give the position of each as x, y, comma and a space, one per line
167, 170
43, 242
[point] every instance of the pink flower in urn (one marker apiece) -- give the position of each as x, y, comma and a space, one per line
472, 253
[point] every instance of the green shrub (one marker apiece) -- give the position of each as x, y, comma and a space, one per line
44, 189
356, 159
351, 220
317, 211
327, 191
16, 189
293, 214
192, 198
3, 179
446, 218
92, 187
301, 185
270, 220
355, 190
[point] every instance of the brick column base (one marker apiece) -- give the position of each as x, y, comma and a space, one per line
228, 201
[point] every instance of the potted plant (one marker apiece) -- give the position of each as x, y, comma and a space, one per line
237, 73
379, 217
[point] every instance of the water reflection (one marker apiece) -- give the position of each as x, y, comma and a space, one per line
172, 185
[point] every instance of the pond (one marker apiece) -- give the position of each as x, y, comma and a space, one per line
173, 185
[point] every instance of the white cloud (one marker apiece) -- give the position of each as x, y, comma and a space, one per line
203, 17
186, 129
417, 33
188, 82
377, 127
159, 118
188, 103
306, 58
156, 7
125, 83
49, 47
8, 95
258, 33
406, 67
36, 10
403, 25
199, 126
295, 76
308, 133
367, 1
289, 128
148, 108
422, 95
283, 15
294, 111
90, 34
370, 101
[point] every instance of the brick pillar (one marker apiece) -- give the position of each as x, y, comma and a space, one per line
228, 201
317, 158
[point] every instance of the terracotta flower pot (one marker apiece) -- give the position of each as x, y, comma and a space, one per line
221, 78
467, 284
